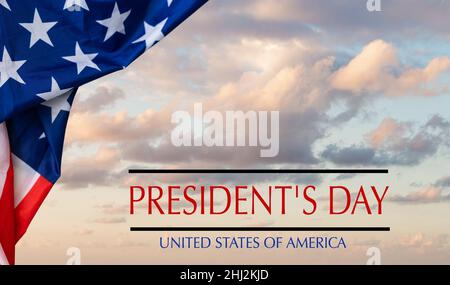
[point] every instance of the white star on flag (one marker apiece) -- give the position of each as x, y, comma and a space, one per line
38, 29
169, 2
82, 60
56, 99
115, 23
152, 34
5, 4
71, 4
9, 68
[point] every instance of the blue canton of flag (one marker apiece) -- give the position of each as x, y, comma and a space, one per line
48, 48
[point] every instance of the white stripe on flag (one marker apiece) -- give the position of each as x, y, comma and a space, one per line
3, 259
4, 156
24, 179
4, 167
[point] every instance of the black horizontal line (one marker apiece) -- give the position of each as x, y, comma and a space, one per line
260, 229
262, 171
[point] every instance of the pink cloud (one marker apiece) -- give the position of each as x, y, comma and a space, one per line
388, 131
376, 69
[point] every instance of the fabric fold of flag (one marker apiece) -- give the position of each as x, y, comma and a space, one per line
7, 219
49, 48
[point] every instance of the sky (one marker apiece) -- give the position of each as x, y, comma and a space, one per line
354, 89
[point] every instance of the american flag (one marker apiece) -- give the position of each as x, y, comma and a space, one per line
48, 48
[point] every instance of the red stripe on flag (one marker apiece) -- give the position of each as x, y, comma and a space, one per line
7, 231
28, 207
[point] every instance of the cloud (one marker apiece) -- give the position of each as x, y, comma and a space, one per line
290, 151
420, 241
349, 155
427, 195
433, 193
444, 182
82, 172
105, 95
348, 19
394, 143
224, 179
368, 69
390, 131
259, 61
109, 220
84, 232
94, 127
127, 241
280, 75
113, 209
282, 80
377, 70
